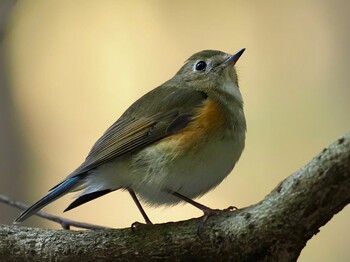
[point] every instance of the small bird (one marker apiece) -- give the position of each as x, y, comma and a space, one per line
174, 144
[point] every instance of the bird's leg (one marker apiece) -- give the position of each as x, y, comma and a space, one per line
206, 210
138, 204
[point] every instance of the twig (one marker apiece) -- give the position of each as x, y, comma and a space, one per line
64, 222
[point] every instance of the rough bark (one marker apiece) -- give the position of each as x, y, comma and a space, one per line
275, 229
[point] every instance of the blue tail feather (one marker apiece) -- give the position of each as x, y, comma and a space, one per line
58, 191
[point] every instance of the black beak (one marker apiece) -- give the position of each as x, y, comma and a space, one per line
234, 58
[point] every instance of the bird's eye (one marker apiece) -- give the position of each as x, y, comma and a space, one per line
201, 66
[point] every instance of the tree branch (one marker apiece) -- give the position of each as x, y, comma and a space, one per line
65, 223
275, 229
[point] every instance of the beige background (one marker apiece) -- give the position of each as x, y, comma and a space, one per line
77, 65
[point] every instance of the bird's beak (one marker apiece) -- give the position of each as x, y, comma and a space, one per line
232, 59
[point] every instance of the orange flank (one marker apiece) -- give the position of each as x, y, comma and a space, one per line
204, 126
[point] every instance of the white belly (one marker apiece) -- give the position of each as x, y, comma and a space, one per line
153, 176
155, 170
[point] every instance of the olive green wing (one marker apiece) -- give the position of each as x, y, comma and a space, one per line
156, 115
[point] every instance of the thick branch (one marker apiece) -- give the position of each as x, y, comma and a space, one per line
275, 229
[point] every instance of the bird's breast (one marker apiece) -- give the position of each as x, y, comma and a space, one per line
191, 161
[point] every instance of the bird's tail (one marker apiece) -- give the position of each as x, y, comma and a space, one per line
55, 193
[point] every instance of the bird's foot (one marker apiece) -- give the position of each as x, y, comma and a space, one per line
208, 212
136, 225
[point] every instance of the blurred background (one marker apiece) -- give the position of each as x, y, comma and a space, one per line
69, 69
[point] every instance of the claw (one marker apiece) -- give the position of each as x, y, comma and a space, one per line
136, 225
211, 212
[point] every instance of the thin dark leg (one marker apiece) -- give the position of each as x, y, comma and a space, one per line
206, 210
138, 204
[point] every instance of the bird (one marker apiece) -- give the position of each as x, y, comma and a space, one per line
174, 144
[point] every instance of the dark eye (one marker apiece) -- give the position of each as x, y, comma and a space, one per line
201, 66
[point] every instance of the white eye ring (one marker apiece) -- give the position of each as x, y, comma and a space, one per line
200, 66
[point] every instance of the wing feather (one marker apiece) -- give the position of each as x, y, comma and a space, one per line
142, 124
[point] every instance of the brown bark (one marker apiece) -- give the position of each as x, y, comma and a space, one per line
275, 229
